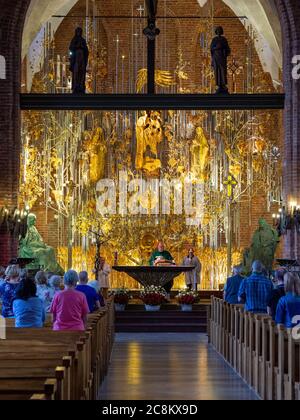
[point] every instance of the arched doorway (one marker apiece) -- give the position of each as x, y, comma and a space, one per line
285, 10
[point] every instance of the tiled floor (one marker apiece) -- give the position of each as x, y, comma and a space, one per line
170, 367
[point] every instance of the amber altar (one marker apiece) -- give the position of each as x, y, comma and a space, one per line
153, 276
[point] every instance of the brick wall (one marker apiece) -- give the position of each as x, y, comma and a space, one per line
174, 33
289, 12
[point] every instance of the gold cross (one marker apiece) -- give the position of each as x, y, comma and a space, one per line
230, 183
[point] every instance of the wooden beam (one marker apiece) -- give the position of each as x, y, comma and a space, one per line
135, 102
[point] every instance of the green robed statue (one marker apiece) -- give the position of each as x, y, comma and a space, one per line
33, 246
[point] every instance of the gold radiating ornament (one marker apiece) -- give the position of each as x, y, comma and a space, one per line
163, 78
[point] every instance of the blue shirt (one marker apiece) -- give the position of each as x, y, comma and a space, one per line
91, 296
276, 295
288, 307
256, 291
29, 313
7, 293
232, 288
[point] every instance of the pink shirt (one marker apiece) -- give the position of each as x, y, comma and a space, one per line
68, 308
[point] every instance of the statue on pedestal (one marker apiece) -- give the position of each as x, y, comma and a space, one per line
149, 135
263, 247
220, 51
33, 246
79, 54
95, 149
200, 155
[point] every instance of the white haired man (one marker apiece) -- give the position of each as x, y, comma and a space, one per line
256, 290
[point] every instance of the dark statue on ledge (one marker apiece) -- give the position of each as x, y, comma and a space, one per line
79, 55
220, 51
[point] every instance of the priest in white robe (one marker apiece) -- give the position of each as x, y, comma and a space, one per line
192, 278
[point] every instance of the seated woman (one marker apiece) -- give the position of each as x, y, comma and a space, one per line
288, 308
7, 290
43, 290
55, 283
28, 308
70, 307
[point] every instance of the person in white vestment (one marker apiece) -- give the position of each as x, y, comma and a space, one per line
192, 278
102, 284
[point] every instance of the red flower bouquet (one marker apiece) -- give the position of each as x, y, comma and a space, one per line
187, 297
153, 296
121, 296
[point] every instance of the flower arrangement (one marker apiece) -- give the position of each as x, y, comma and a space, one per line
187, 297
153, 295
121, 296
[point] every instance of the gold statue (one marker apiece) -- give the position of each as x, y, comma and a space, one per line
200, 155
96, 149
149, 135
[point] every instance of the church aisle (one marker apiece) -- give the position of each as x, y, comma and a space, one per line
170, 367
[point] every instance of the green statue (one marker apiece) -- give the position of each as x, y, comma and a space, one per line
263, 247
33, 246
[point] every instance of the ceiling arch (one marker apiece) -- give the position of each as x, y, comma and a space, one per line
263, 16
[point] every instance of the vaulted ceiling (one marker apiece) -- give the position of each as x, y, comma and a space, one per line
262, 15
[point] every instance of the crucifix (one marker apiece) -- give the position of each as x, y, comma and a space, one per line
151, 32
231, 184
99, 240
141, 10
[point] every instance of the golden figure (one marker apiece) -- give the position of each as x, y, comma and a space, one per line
235, 167
149, 135
200, 155
96, 149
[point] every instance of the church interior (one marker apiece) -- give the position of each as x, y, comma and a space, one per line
160, 163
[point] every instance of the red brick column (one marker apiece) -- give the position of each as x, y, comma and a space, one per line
12, 15
289, 12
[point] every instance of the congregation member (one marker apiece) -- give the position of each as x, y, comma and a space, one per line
288, 308
192, 278
103, 277
7, 290
255, 291
69, 308
2, 275
233, 285
43, 290
160, 257
28, 309
55, 284
94, 300
277, 293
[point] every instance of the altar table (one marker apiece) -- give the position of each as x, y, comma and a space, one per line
153, 276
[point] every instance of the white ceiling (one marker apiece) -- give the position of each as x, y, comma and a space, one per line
262, 15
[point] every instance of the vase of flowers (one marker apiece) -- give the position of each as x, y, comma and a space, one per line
187, 298
121, 299
153, 297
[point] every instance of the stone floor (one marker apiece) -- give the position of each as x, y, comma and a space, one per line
170, 367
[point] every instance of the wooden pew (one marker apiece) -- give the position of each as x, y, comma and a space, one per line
281, 369
264, 357
292, 377
259, 353
80, 356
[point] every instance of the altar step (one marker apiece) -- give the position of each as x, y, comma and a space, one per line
169, 319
